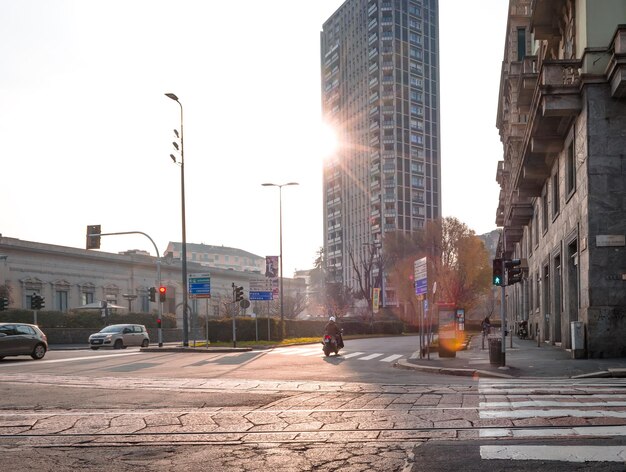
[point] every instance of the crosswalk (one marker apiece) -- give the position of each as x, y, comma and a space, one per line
317, 351
538, 410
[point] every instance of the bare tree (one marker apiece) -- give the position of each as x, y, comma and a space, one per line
369, 269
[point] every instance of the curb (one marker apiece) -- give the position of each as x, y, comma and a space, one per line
404, 364
199, 350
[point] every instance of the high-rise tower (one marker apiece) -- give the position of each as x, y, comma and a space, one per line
380, 90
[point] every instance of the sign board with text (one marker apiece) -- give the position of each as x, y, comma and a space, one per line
199, 285
261, 289
420, 276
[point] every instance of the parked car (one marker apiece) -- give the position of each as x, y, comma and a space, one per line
120, 336
22, 339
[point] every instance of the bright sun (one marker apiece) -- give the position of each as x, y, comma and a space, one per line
328, 142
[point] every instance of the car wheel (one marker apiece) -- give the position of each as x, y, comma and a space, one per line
38, 352
145, 343
95, 348
118, 344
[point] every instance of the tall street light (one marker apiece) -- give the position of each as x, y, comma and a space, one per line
182, 202
280, 203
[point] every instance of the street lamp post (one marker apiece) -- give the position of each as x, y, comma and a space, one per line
280, 206
184, 230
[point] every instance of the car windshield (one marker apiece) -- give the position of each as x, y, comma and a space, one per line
112, 329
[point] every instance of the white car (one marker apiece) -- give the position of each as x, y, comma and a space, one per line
120, 336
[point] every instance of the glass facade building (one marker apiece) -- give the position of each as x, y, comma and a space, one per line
380, 91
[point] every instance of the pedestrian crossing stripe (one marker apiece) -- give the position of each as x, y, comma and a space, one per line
551, 453
313, 351
586, 398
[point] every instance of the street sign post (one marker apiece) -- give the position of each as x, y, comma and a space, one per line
261, 289
199, 285
420, 277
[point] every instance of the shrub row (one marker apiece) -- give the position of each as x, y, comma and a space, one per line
219, 330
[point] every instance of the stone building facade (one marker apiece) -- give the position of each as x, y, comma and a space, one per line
562, 205
69, 278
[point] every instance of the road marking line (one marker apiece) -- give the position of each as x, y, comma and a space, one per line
551, 453
391, 358
371, 356
351, 354
312, 352
89, 358
552, 413
587, 431
288, 350
543, 404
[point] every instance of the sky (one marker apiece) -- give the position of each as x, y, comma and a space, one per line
86, 130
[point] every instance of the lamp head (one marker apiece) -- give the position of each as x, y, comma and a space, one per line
176, 133
175, 144
172, 96
173, 158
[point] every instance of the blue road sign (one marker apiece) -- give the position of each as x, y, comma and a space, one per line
199, 285
260, 296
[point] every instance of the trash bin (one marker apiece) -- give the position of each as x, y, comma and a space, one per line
496, 356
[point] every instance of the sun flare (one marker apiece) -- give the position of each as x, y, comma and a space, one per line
328, 141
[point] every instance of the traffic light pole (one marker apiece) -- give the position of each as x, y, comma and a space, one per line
160, 331
503, 318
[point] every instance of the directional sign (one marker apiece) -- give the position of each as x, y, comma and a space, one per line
420, 276
261, 289
199, 285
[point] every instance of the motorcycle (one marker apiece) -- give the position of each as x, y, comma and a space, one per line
331, 344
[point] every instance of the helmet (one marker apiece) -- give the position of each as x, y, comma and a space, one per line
332, 318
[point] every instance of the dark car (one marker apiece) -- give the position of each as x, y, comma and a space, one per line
22, 339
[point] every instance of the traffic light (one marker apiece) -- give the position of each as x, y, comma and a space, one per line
4, 303
238, 294
162, 293
93, 242
37, 302
513, 271
152, 293
159, 323
498, 278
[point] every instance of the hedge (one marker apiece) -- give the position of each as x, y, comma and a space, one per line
219, 330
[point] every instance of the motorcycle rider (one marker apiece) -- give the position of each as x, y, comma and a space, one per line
332, 329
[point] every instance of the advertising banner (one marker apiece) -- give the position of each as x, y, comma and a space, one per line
271, 266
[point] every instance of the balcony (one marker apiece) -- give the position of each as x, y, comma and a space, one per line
527, 81
555, 105
616, 72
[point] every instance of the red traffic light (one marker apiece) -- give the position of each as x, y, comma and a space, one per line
162, 293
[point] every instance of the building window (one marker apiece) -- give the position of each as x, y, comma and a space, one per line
61, 300
417, 167
414, 24
144, 302
536, 227
544, 209
417, 182
87, 298
556, 202
521, 43
416, 82
570, 171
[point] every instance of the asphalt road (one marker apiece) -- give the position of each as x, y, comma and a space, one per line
292, 409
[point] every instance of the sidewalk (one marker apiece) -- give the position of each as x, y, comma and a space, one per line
525, 359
